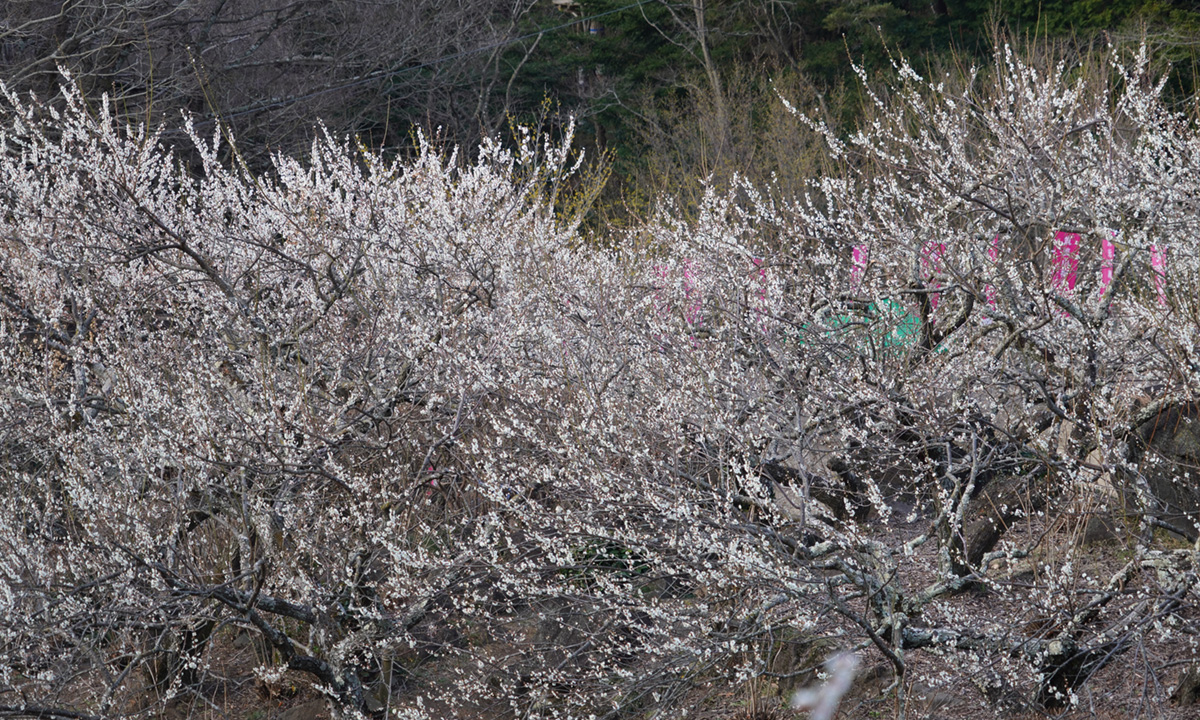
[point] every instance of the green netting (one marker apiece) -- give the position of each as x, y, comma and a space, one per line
884, 325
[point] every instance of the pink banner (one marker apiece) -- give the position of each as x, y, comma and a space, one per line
859, 257
1066, 261
1158, 262
1108, 251
989, 292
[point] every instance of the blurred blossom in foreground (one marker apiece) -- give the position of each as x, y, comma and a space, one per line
822, 702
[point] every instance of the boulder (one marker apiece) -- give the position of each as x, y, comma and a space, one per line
1102, 529
313, 710
1188, 691
1167, 449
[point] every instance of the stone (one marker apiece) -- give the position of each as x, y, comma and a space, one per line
1188, 691
1101, 529
312, 710
1167, 447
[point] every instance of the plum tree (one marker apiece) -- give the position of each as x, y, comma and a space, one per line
442, 454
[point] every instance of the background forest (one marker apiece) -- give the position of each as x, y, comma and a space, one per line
675, 91
493, 360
